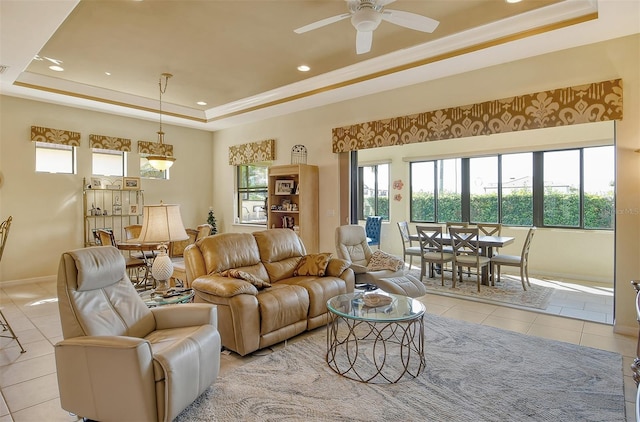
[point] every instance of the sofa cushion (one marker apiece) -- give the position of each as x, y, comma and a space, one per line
282, 306
243, 275
337, 266
280, 252
313, 264
381, 260
223, 286
229, 250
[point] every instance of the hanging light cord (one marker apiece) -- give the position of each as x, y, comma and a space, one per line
166, 77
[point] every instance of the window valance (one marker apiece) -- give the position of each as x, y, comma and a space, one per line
252, 152
155, 148
55, 136
110, 142
595, 102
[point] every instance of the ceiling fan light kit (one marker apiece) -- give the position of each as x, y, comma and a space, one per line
366, 15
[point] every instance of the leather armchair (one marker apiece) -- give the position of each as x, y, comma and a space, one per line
119, 360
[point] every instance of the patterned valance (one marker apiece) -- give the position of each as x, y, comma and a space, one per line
253, 152
110, 142
155, 148
55, 136
594, 102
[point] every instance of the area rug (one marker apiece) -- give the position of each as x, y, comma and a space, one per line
473, 373
508, 291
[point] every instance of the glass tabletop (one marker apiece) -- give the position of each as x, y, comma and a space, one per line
374, 307
152, 299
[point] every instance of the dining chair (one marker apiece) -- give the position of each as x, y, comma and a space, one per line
132, 232
432, 250
373, 227
4, 323
466, 252
408, 250
521, 261
137, 268
490, 229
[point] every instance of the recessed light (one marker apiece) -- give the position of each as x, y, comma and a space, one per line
513, 1
304, 68
107, 73
202, 103
56, 68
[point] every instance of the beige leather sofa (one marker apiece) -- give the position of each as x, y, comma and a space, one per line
119, 360
251, 314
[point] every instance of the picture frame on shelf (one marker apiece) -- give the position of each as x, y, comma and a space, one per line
283, 187
134, 209
96, 183
130, 183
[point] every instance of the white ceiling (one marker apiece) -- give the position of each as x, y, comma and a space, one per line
240, 56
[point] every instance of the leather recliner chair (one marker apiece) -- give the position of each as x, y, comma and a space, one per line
120, 360
352, 246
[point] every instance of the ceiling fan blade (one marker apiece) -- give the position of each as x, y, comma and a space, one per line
410, 20
321, 23
363, 41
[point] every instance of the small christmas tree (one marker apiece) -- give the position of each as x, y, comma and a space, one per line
211, 220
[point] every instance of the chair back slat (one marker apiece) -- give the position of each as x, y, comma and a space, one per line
489, 229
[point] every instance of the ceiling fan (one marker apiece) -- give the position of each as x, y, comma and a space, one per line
366, 15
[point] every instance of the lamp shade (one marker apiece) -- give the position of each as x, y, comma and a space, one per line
162, 223
160, 162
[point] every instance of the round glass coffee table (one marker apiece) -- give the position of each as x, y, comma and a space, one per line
152, 299
375, 337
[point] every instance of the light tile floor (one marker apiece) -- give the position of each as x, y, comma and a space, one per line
28, 383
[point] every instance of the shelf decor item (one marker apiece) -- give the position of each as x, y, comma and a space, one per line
130, 183
299, 154
284, 187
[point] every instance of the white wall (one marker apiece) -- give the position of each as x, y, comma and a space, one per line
603, 61
47, 208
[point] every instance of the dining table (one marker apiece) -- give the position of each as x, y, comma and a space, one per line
486, 244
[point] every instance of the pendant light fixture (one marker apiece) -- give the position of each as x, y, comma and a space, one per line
161, 162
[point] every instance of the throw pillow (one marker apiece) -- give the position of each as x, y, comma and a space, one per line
381, 260
313, 264
336, 267
243, 275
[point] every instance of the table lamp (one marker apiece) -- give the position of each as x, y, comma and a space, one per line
162, 224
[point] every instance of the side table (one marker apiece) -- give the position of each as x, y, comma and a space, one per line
375, 344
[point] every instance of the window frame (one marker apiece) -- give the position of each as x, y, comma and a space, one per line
376, 189
123, 161
73, 157
250, 190
538, 189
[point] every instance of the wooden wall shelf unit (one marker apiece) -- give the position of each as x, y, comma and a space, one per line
293, 201
112, 209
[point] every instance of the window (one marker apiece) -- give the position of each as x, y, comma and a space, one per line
252, 193
423, 194
561, 177
449, 206
483, 189
578, 188
55, 158
108, 163
149, 172
516, 189
574, 189
373, 191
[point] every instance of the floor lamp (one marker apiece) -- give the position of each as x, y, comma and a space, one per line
162, 224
